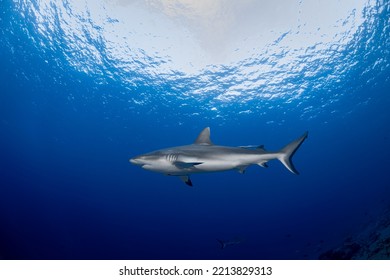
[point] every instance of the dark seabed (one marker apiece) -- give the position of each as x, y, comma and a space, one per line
86, 85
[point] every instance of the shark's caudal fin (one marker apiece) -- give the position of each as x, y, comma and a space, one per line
286, 154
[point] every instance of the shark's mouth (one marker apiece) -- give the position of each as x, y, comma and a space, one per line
136, 161
146, 166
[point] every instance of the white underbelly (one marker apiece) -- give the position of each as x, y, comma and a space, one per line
214, 166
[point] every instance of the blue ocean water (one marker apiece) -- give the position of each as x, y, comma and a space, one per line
75, 105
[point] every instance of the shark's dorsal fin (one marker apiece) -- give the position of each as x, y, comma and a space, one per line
204, 137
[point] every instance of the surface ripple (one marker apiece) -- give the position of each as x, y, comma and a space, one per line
154, 56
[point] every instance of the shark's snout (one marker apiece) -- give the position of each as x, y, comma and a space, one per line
139, 160
135, 160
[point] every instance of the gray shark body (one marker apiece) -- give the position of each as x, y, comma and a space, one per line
203, 156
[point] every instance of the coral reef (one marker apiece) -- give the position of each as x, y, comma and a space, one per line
372, 243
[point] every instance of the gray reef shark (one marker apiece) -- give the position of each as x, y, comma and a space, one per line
203, 156
231, 242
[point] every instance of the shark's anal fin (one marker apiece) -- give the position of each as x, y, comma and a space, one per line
184, 165
187, 180
263, 164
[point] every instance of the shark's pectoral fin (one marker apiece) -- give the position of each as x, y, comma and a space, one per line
242, 168
186, 179
184, 165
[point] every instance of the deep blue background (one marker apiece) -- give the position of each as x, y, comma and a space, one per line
68, 192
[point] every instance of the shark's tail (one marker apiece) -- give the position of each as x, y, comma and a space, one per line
286, 154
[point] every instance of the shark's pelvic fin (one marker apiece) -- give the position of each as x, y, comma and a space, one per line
204, 137
286, 154
187, 180
242, 168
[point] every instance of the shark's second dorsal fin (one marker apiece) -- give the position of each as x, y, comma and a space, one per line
260, 148
204, 137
